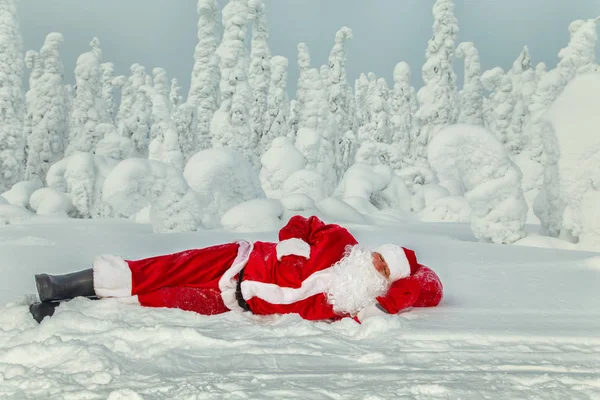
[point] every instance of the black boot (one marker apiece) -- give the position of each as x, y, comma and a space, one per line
41, 310
69, 286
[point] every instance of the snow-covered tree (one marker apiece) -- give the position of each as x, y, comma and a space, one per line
205, 76
174, 206
298, 118
575, 59
580, 55
184, 118
500, 108
113, 145
108, 89
259, 73
379, 107
134, 117
474, 157
361, 101
231, 124
89, 109
47, 112
470, 98
165, 146
277, 114
438, 98
279, 162
340, 94
402, 109
523, 86
175, 94
82, 176
162, 84
12, 101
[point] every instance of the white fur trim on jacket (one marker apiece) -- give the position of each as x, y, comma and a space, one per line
112, 276
228, 283
293, 247
316, 283
373, 310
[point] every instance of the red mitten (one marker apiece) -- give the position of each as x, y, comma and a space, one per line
402, 294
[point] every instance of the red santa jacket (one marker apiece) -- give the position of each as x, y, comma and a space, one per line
291, 276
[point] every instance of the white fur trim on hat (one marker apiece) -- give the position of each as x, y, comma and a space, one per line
396, 259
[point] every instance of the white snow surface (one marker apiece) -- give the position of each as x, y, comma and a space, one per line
515, 322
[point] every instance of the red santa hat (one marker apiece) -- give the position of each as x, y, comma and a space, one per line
398, 260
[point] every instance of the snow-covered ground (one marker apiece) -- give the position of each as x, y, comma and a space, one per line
516, 323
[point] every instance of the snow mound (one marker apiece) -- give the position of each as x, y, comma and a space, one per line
575, 178
81, 176
3, 200
369, 188
433, 192
10, 214
48, 201
224, 176
298, 204
340, 211
545, 242
20, 193
135, 183
305, 181
447, 209
279, 163
258, 215
475, 157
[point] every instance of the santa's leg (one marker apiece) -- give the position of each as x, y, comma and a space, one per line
68, 286
116, 277
431, 287
206, 301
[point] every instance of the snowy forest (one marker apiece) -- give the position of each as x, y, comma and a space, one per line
505, 151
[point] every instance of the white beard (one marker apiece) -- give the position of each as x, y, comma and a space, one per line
355, 282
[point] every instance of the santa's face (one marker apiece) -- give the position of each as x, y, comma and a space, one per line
357, 280
380, 265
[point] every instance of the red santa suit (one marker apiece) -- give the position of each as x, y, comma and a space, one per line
290, 276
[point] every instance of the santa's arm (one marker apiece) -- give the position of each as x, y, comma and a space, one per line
300, 234
401, 295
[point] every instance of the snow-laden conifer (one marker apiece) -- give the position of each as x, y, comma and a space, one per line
175, 94
231, 124
340, 94
259, 73
47, 112
500, 108
299, 105
108, 89
438, 98
402, 109
470, 98
12, 102
89, 109
205, 76
278, 106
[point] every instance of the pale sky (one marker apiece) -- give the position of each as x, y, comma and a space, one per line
162, 33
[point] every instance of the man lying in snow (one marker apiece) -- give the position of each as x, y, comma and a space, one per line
317, 270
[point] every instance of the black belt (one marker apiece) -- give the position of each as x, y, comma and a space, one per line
238, 292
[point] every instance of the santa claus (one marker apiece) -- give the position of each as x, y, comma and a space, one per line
316, 270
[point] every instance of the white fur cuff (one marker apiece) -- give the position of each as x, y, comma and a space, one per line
293, 247
112, 277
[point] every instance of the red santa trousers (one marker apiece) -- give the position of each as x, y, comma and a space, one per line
188, 280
